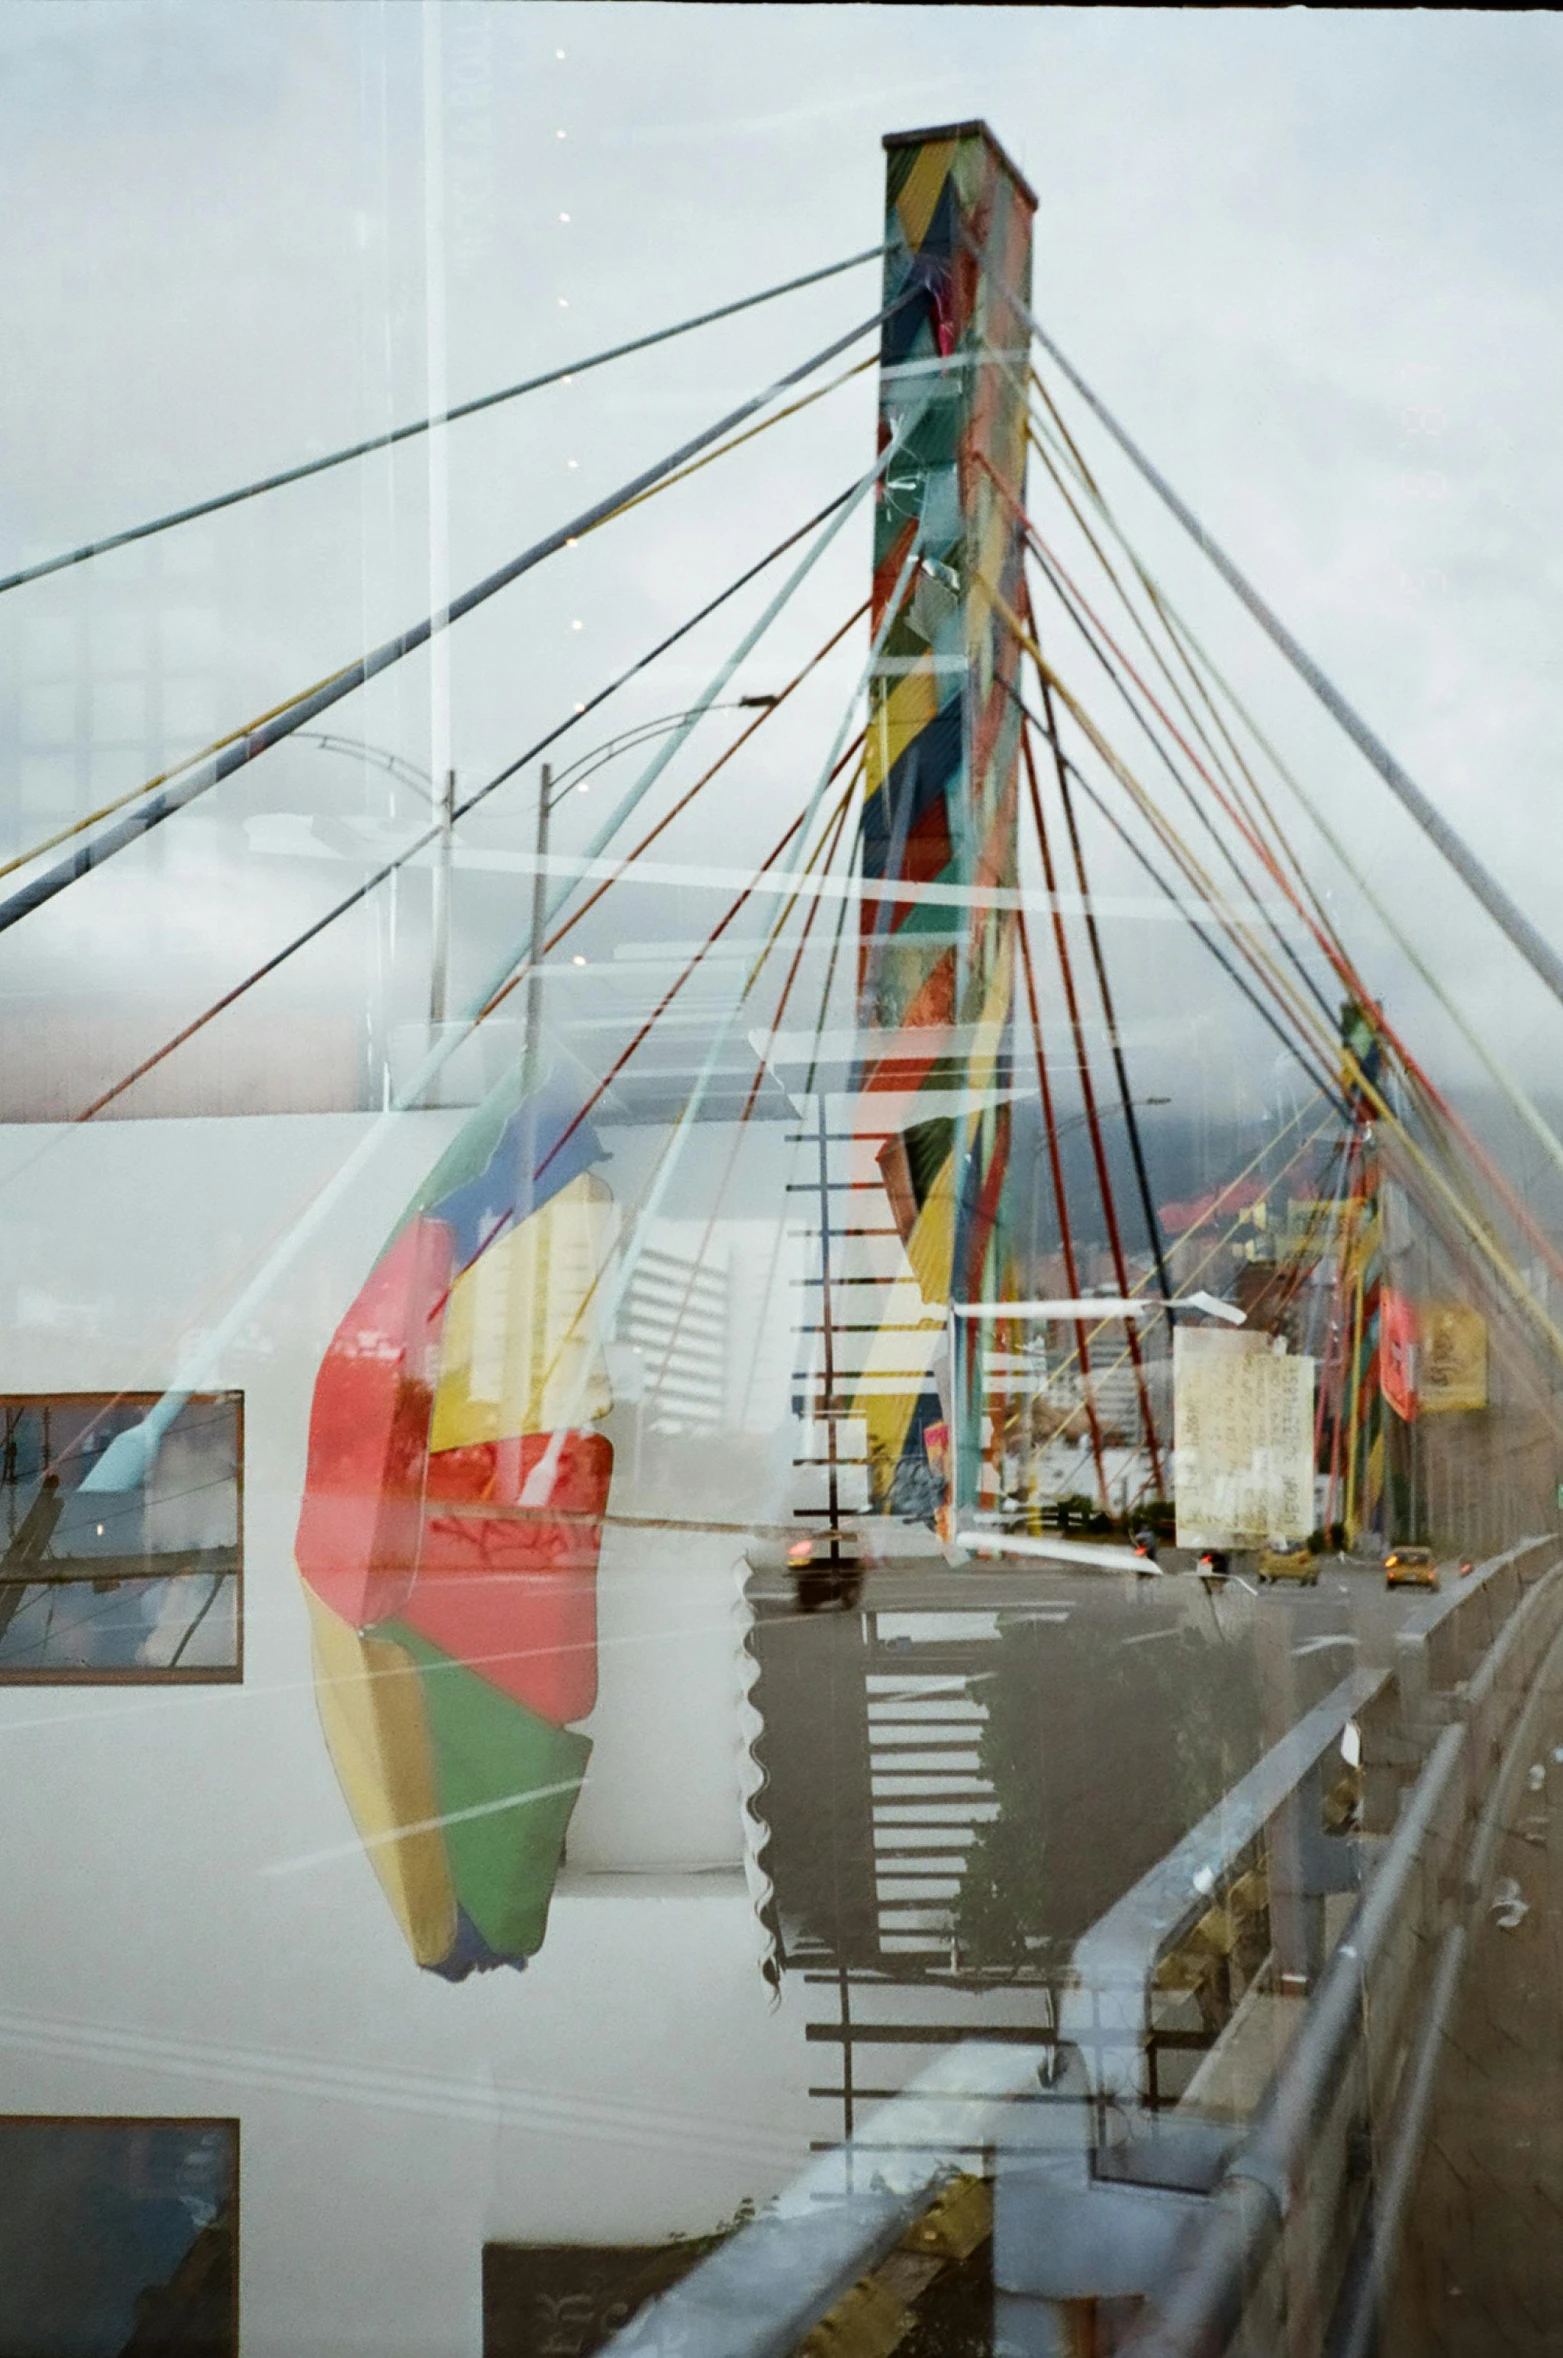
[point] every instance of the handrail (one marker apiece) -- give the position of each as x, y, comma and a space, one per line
759, 2294
1120, 1952
1204, 2302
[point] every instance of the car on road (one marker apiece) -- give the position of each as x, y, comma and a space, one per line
1410, 1567
827, 1570
1215, 1567
1288, 1559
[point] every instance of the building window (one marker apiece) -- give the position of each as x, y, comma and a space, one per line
125, 1585
119, 2234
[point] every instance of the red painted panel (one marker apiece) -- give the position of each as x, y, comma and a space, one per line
512, 1591
369, 1432
1399, 1333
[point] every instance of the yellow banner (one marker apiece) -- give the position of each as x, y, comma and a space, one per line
1454, 1358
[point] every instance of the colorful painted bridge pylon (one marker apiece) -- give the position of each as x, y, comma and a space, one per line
936, 978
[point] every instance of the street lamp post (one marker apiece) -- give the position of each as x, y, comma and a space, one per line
439, 947
442, 801
534, 980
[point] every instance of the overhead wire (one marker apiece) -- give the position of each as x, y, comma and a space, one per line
1499, 905
417, 426
175, 797
1086, 622
361, 891
1255, 825
1088, 1096
1040, 439
542, 1475
124, 1464
1303, 1018
1178, 631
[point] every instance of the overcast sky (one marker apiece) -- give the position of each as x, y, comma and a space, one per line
1308, 256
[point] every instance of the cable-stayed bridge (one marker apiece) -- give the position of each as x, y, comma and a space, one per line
974, 1285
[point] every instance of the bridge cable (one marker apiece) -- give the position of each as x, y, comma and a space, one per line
129, 1456
1228, 1233
1105, 812
1088, 1088
1239, 934
1093, 632
430, 835
1061, 1204
602, 1087
1306, 1018
1018, 385
1180, 632
1176, 689
1246, 822
1109, 1015
824, 853
543, 1474
1335, 951
1500, 907
130, 828
447, 417
799, 1376
392, 762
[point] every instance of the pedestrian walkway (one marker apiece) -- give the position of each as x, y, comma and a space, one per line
1482, 2267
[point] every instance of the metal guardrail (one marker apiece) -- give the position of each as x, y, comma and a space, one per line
1293, 2251
759, 2294
1250, 2241
1107, 2008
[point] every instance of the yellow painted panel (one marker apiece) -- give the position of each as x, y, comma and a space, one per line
919, 196
521, 1351
370, 1701
887, 1419
898, 718
910, 706
931, 1246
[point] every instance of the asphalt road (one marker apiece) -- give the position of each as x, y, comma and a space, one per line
1115, 1710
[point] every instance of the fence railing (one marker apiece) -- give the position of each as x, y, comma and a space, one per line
1293, 2250
1268, 2236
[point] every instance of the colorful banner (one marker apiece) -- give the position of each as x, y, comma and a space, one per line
1454, 1358
1399, 1336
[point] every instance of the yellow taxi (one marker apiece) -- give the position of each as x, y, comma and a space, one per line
1410, 1567
1288, 1559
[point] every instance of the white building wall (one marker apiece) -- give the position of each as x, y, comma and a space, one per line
188, 1923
